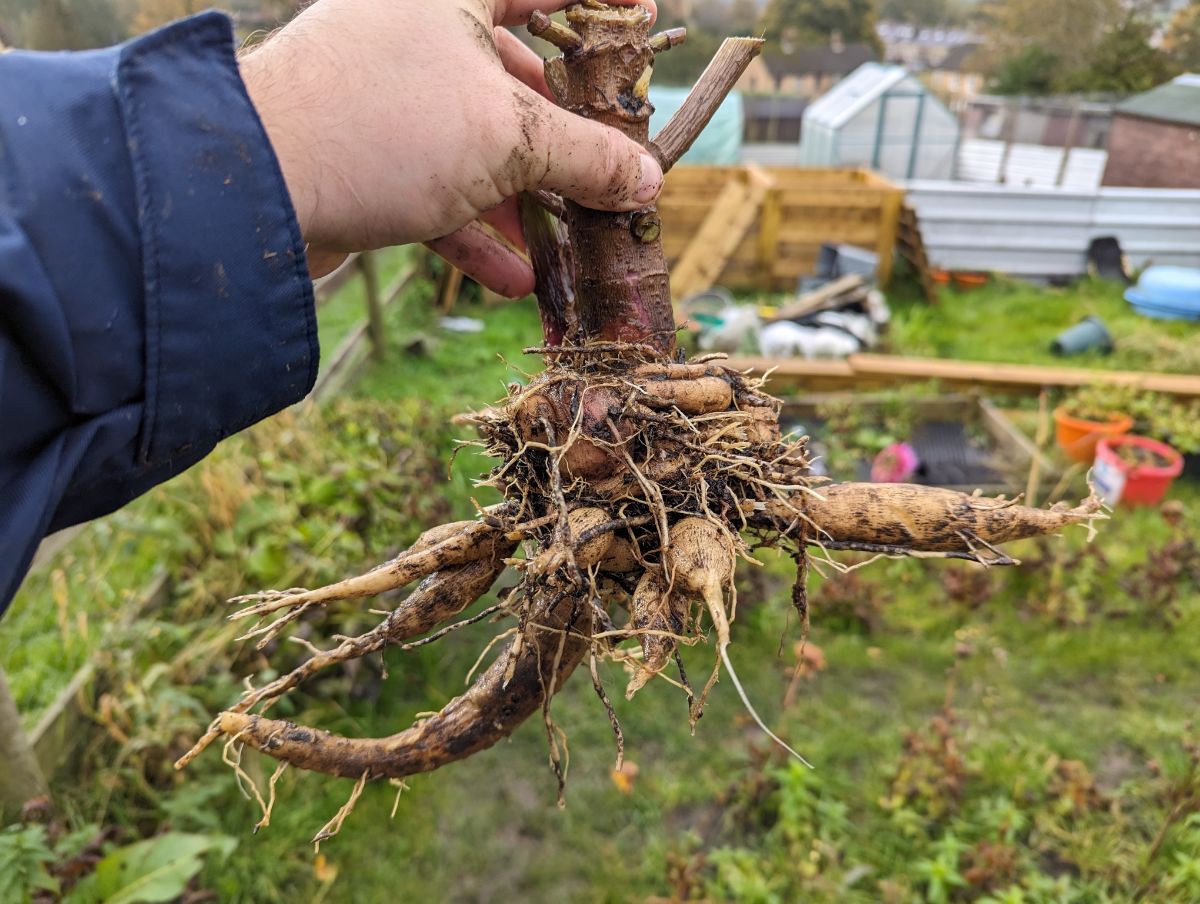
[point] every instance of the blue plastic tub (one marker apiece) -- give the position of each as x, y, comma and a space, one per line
1169, 293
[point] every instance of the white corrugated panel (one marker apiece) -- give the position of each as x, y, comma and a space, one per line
1046, 232
979, 160
1085, 168
1029, 165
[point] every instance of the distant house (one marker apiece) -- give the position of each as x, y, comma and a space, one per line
804, 71
954, 79
1067, 120
942, 57
922, 46
773, 118
1155, 137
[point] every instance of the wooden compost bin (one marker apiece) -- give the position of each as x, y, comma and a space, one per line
1010, 452
758, 228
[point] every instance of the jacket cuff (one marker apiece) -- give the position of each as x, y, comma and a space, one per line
231, 331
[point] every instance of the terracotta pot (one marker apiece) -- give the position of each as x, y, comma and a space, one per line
1078, 437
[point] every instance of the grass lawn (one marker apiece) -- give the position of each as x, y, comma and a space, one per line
1016, 322
1004, 736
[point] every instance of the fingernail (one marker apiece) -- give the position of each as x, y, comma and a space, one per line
651, 182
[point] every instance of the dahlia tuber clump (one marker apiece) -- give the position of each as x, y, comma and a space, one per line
633, 480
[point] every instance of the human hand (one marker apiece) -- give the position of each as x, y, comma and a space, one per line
411, 121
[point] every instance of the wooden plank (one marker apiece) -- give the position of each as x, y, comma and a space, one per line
349, 356
819, 374
1026, 377
867, 370
726, 225
62, 728
328, 286
889, 228
52, 546
768, 233
375, 328
829, 231
449, 287
1018, 448
819, 299
21, 778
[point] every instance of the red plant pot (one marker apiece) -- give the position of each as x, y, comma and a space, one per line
1134, 485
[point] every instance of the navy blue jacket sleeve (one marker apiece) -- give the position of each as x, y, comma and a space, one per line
154, 294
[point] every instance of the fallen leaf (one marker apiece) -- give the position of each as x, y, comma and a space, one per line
810, 657
324, 870
624, 777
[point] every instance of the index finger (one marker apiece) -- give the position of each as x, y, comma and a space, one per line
517, 12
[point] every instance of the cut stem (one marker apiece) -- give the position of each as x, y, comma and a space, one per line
681, 132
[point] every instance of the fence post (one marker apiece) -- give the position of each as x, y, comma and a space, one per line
370, 274
21, 778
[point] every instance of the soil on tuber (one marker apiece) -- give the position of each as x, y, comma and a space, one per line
633, 480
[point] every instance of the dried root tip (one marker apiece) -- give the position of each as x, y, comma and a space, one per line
464, 542
650, 611
468, 724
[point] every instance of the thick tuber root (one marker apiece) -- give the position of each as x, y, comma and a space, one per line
491, 710
903, 519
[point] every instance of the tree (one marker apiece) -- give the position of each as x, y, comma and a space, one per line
20, 780
1124, 61
152, 14
815, 21
1067, 30
1033, 70
924, 12
1182, 40
71, 24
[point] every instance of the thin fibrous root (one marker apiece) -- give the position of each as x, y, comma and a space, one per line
456, 544
472, 722
439, 597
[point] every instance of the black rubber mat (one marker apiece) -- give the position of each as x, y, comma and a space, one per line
948, 458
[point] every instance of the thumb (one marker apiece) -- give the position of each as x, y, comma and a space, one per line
588, 162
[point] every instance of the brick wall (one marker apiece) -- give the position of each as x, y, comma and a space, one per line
1152, 154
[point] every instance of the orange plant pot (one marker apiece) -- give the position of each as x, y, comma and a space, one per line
1078, 437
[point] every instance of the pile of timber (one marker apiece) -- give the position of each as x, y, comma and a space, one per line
833, 296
